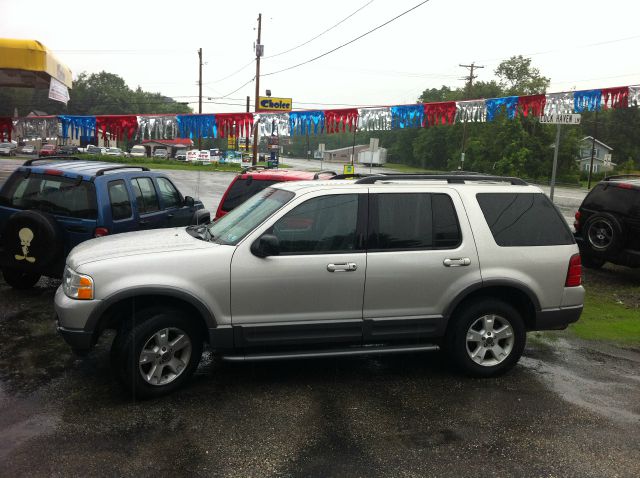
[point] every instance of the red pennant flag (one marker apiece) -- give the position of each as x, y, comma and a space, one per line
345, 117
234, 124
443, 112
615, 97
532, 103
117, 126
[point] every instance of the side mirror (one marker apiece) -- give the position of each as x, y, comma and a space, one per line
266, 245
189, 201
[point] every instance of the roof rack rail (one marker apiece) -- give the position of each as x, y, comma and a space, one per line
317, 175
246, 169
29, 162
100, 172
450, 178
351, 176
622, 176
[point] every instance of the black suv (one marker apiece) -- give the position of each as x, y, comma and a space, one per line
608, 223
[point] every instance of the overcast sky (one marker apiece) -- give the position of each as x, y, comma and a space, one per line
579, 44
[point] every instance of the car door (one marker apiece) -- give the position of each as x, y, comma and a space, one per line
311, 292
420, 255
178, 214
122, 218
150, 216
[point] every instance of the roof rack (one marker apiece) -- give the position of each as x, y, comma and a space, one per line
246, 169
29, 162
317, 175
100, 172
352, 176
450, 178
622, 176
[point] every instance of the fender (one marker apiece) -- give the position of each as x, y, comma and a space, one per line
498, 282
98, 312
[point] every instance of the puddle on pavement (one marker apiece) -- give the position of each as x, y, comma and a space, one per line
601, 381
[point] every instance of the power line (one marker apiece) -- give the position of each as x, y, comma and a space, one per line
319, 35
349, 42
231, 74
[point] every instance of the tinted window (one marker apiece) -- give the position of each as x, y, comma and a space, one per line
119, 199
243, 189
170, 195
320, 225
608, 197
52, 194
524, 220
408, 221
146, 196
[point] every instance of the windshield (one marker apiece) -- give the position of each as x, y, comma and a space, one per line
114, 150
230, 229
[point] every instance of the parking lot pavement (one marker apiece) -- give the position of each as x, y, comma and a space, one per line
569, 409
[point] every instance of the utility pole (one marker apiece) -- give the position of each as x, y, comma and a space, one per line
248, 132
469, 80
593, 150
200, 91
259, 53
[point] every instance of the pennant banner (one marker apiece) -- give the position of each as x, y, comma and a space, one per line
587, 100
471, 111
35, 128
78, 126
407, 116
533, 104
615, 97
157, 127
118, 126
300, 122
374, 119
494, 105
559, 103
634, 95
272, 124
196, 126
440, 113
336, 121
234, 124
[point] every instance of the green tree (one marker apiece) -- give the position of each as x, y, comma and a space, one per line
518, 77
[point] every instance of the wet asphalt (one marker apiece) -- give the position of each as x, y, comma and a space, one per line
570, 408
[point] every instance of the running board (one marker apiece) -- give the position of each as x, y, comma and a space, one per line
367, 350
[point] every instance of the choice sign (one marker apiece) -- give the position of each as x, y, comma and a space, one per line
267, 103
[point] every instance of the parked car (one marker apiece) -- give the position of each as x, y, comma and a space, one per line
114, 152
607, 225
29, 149
160, 153
138, 151
47, 207
8, 149
66, 150
92, 149
255, 179
47, 150
467, 263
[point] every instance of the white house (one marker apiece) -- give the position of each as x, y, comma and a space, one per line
601, 160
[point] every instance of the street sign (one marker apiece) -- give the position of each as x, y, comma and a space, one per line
560, 119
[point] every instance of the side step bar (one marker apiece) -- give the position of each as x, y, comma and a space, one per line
370, 350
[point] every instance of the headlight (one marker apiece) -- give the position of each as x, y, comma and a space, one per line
77, 286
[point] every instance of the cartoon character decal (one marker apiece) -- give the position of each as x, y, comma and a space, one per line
26, 236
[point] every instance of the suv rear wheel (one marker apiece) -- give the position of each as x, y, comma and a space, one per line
604, 233
158, 355
487, 338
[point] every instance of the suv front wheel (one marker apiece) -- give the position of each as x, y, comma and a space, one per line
487, 338
158, 355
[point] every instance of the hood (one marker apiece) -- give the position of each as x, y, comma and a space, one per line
135, 243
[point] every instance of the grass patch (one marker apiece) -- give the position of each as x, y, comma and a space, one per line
605, 319
405, 168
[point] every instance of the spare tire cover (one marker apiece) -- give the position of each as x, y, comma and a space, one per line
31, 241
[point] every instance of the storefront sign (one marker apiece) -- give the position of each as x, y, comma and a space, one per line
267, 103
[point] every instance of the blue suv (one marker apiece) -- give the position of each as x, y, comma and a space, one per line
49, 206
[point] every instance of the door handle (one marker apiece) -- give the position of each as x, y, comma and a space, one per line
457, 262
342, 267
170, 215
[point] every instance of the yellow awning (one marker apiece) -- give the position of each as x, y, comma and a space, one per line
28, 63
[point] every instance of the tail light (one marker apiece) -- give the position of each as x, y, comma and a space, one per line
576, 223
100, 231
574, 273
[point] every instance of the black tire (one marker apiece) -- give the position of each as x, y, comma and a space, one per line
129, 343
19, 279
592, 262
457, 344
604, 234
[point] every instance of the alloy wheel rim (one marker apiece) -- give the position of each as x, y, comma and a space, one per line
489, 340
600, 234
165, 356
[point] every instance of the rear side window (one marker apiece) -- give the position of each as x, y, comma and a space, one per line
410, 221
146, 196
524, 219
119, 199
608, 197
170, 195
52, 194
243, 189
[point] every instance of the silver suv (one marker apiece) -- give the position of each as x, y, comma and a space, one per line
379, 265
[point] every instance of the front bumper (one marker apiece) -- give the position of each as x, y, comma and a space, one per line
73, 320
